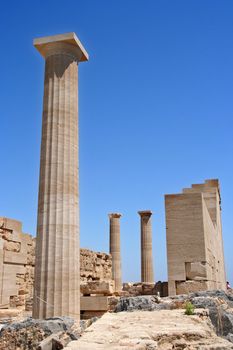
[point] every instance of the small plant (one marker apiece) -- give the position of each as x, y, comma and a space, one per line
189, 308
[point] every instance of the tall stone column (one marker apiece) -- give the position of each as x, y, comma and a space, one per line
146, 247
56, 290
115, 249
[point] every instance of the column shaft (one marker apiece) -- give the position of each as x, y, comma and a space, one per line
115, 249
147, 274
57, 291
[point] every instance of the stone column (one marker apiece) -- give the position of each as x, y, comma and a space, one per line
115, 249
146, 247
56, 290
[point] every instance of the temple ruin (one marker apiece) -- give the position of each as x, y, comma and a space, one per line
194, 239
97, 283
17, 262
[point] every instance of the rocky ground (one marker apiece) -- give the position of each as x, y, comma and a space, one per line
141, 330
50, 334
142, 322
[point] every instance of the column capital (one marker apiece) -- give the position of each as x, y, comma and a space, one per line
114, 215
144, 213
67, 43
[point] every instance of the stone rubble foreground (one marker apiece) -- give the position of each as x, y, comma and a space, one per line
142, 322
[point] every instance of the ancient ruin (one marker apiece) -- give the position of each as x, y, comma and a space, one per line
17, 260
147, 274
194, 239
56, 290
55, 295
17, 252
115, 249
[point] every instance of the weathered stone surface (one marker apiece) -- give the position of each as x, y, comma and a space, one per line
52, 334
97, 287
194, 239
220, 306
195, 271
150, 330
17, 268
142, 288
39, 334
191, 286
13, 312
95, 266
12, 246
218, 303
11, 224
97, 305
146, 303
17, 251
49, 342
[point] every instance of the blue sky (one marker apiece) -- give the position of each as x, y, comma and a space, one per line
155, 104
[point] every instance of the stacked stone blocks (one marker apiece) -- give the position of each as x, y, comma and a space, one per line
17, 253
194, 239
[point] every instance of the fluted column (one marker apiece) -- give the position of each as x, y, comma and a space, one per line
56, 291
115, 249
147, 274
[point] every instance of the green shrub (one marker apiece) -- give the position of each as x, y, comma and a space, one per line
189, 308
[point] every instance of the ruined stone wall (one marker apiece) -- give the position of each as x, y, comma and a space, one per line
194, 239
143, 288
95, 266
17, 261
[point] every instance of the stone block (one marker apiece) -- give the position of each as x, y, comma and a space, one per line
11, 224
148, 288
187, 287
12, 246
94, 303
194, 237
195, 270
97, 287
7, 313
15, 258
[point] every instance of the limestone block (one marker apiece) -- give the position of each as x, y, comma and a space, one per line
12, 246
143, 288
9, 235
187, 287
5, 313
17, 301
11, 224
9, 286
196, 270
15, 258
95, 265
97, 287
194, 236
148, 288
94, 303
127, 286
